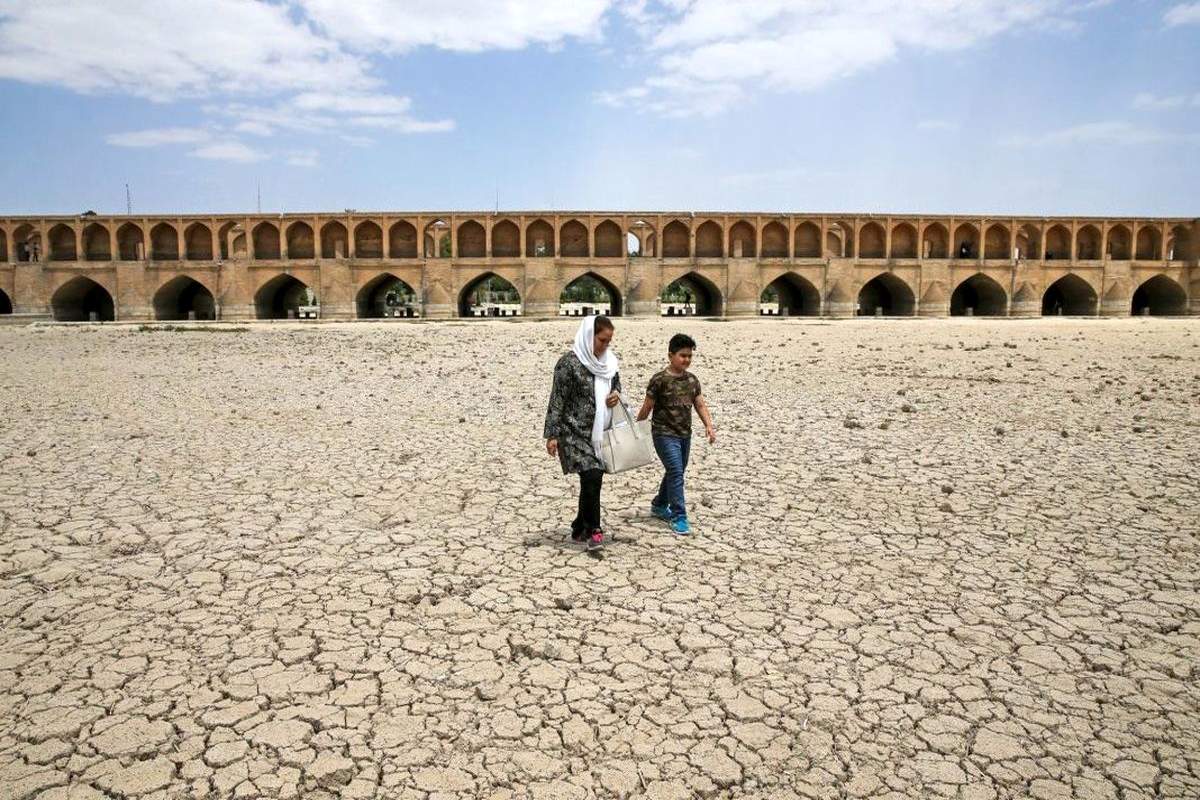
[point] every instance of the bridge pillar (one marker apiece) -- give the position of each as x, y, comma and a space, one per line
644, 287
438, 294
235, 300
133, 298
30, 295
335, 289
1194, 292
542, 288
744, 289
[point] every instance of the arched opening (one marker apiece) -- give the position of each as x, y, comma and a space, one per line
280, 298
1120, 243
573, 239
741, 240
610, 242
996, 242
774, 240
472, 240
966, 241
224, 235
539, 239
1159, 297
385, 297
790, 296
589, 294
489, 295
368, 240
96, 243
844, 232
871, 241
1087, 244
979, 296
708, 240
1058, 243
935, 242
5, 303
904, 241
640, 240
266, 242
164, 243
62, 243
886, 296
675, 240
4, 256
27, 243
1149, 244
301, 244
506, 239
197, 242
1028, 243
402, 240
1070, 295
1179, 246
808, 241
437, 239
335, 240
131, 244
184, 298
81, 300
691, 295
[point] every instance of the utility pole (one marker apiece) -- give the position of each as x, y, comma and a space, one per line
258, 196
128, 202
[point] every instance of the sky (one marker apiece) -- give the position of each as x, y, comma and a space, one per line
1030, 107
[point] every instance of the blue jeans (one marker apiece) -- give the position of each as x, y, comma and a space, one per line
673, 453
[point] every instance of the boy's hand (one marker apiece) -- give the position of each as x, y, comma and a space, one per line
711, 430
612, 399
552, 446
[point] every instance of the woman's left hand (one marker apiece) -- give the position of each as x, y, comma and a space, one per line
612, 399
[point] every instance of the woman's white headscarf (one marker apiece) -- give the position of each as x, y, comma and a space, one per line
603, 368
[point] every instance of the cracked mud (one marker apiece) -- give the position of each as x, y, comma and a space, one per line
932, 559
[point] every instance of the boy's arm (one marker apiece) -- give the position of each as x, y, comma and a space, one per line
647, 407
706, 418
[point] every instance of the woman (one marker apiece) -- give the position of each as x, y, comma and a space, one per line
586, 387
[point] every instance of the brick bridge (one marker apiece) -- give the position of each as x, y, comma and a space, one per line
238, 267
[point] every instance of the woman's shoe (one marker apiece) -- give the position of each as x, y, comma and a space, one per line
596, 540
680, 526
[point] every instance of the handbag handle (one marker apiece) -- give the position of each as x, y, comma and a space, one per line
629, 420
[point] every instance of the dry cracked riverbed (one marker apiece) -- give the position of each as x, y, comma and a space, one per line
933, 558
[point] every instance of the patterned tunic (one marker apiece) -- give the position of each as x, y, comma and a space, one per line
571, 412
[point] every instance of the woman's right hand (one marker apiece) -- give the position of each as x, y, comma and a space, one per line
552, 446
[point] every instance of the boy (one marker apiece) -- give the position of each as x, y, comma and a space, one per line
671, 395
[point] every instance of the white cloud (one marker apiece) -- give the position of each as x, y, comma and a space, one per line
228, 151
156, 137
1111, 132
1152, 101
710, 53
938, 125
302, 158
1182, 14
459, 25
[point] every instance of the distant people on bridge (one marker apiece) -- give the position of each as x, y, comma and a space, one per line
586, 387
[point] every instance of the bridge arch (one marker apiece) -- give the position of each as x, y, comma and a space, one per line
539, 239
472, 240
886, 295
197, 242
368, 240
691, 294
966, 241
807, 240
485, 292
6, 306
573, 239
871, 241
335, 240
164, 242
1087, 244
281, 294
676, 240
709, 240
742, 240
131, 242
80, 298
1159, 296
96, 243
797, 297
62, 243
586, 289
980, 293
301, 243
610, 241
1149, 243
402, 240
1029, 242
996, 242
904, 241
1058, 243
1070, 295
372, 300
774, 240
1120, 243
935, 241
27, 244
1179, 245
506, 239
181, 295
266, 242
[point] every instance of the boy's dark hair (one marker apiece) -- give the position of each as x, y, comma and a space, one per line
603, 323
681, 341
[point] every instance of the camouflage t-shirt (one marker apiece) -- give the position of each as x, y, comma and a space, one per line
673, 398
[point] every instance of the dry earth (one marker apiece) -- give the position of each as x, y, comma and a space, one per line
934, 558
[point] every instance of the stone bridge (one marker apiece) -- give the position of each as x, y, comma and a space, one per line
239, 267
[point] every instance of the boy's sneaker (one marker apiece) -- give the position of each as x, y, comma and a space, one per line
662, 512
680, 526
596, 540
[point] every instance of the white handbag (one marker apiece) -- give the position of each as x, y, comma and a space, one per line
627, 443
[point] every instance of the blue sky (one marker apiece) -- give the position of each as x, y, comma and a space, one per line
1031, 107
